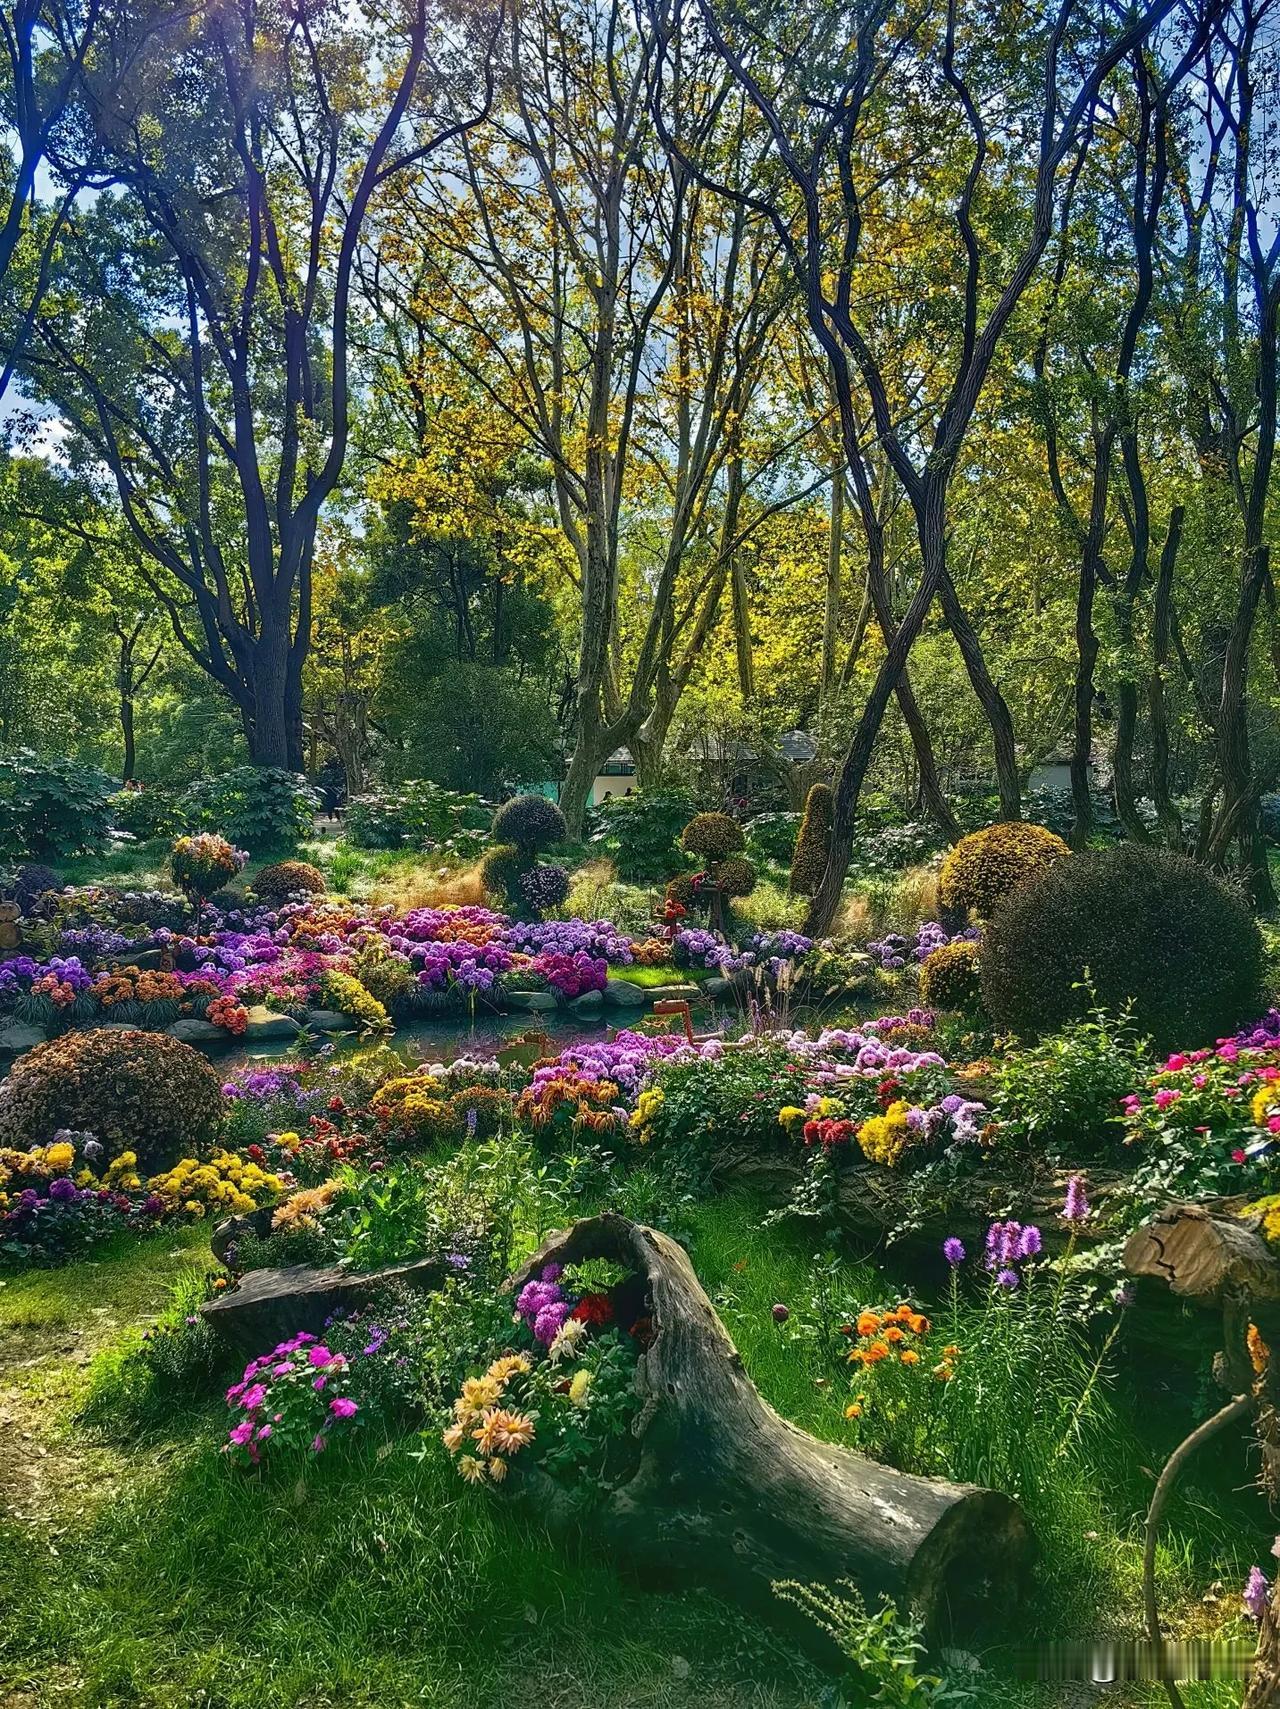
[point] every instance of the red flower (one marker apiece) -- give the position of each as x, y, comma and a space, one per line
594, 1308
1237, 1156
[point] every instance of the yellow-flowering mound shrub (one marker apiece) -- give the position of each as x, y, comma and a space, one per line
226, 1184
984, 867
949, 977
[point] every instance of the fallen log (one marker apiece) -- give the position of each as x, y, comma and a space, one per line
1204, 1253
266, 1307
727, 1492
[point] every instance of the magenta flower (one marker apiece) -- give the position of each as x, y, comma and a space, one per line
341, 1407
1076, 1207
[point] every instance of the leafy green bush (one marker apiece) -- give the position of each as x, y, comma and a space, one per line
949, 977
414, 814
713, 836
734, 877
813, 844
1131, 924
1063, 1093
134, 1091
641, 832
255, 807
988, 865
772, 837
51, 807
145, 813
529, 823
288, 878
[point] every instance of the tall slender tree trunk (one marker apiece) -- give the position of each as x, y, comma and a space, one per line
831, 610
1082, 728
1157, 708
994, 706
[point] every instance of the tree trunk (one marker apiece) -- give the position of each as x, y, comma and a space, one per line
1082, 738
991, 700
728, 1493
831, 609
1161, 636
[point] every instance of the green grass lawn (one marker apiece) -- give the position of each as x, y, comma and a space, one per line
148, 1571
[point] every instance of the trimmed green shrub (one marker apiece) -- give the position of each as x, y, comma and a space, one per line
254, 807
772, 837
734, 877
529, 823
413, 814
51, 807
713, 836
500, 872
988, 865
286, 878
680, 889
134, 1091
641, 832
949, 977
813, 844
1131, 924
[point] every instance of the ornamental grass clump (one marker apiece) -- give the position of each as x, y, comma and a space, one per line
989, 865
1136, 929
137, 1091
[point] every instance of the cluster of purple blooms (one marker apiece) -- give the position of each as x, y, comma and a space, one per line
893, 951
1261, 1035
694, 946
20, 971
1008, 1245
266, 1086
544, 1306
625, 1059
864, 1052
599, 939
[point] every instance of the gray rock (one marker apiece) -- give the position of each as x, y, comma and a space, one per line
17, 1037
202, 1034
329, 1021
675, 993
622, 994
534, 1000
234, 1228
718, 987
266, 1307
264, 1023
590, 1003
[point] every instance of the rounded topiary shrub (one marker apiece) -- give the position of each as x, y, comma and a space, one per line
949, 977
134, 1091
26, 884
1138, 924
544, 887
987, 865
734, 877
501, 871
681, 890
529, 822
712, 835
813, 844
289, 878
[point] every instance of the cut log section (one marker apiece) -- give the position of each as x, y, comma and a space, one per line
266, 1307
1204, 1254
729, 1493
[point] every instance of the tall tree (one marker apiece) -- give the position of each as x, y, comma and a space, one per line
198, 339
937, 105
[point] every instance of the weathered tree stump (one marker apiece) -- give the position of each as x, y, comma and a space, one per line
729, 1493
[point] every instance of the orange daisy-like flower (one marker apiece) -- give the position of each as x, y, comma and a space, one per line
917, 1324
875, 1353
951, 1352
868, 1323
893, 1335
909, 1356
512, 1431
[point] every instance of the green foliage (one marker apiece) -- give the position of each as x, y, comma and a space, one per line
51, 806
501, 871
949, 977
712, 836
529, 822
25, 884
885, 1651
134, 1091
1133, 926
145, 813
641, 832
734, 877
768, 908
256, 807
1063, 1093
813, 844
158, 1375
285, 878
988, 865
416, 814
771, 837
